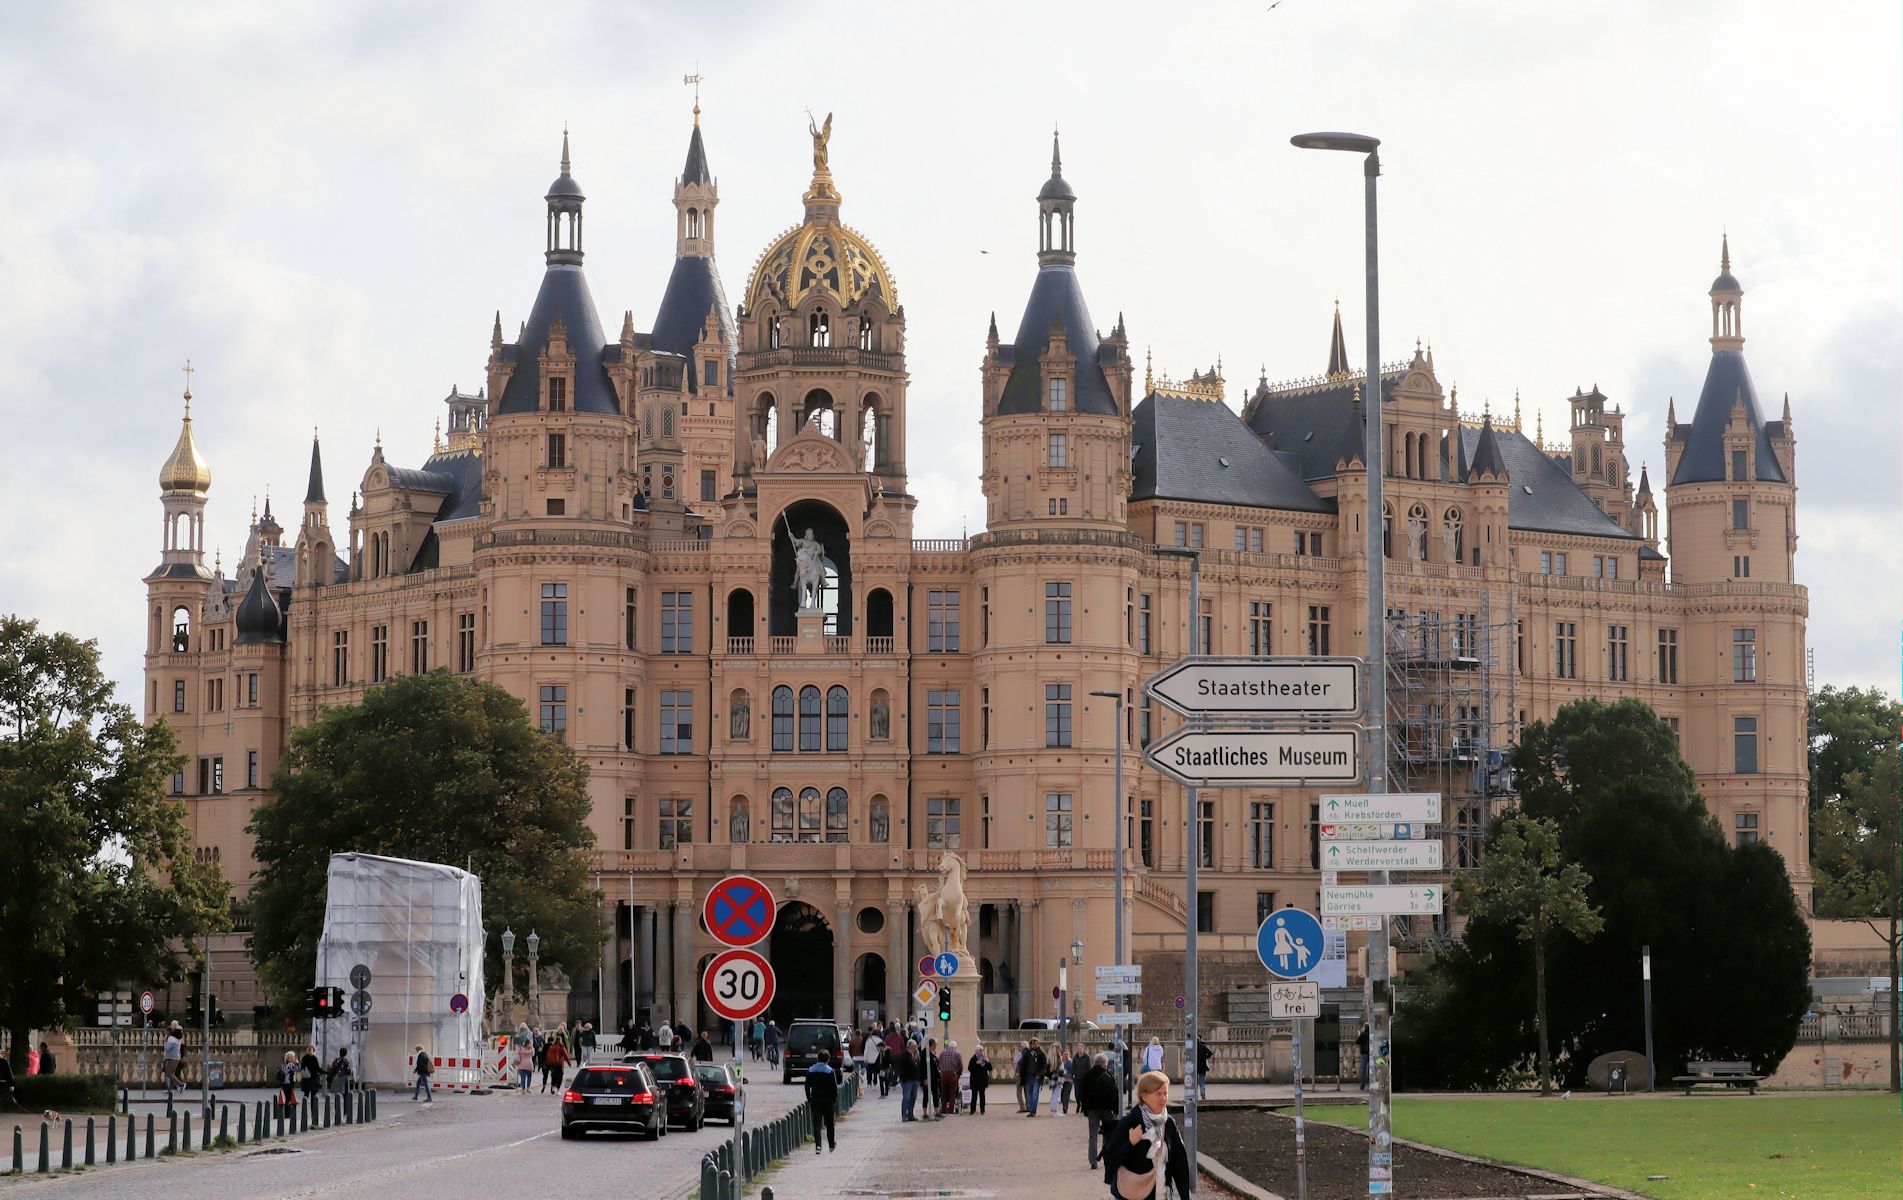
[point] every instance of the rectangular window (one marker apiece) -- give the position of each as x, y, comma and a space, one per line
1744, 745
212, 687
379, 653
1146, 832
1145, 715
1741, 514
1318, 629
1143, 624
984, 817
1616, 644
1519, 645
1057, 613
1206, 620
557, 508
984, 719
1559, 562
178, 783
627, 822
557, 393
707, 482
677, 822
942, 618
1262, 836
1668, 656
677, 622
465, 643
1242, 538
677, 722
628, 624
1060, 450
251, 689
1612, 567
1566, 650
1057, 714
1741, 566
1205, 912
627, 718
218, 774
557, 451
1264, 906
941, 721
1746, 824
1672, 724
1744, 656
1057, 819
204, 776
555, 614
941, 823
339, 657
1546, 562
1196, 535
419, 647
1206, 835
251, 768
1315, 836
1737, 465
1060, 396
554, 714
1182, 533
1301, 542
1260, 626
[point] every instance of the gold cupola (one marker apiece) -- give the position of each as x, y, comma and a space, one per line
185, 469
821, 255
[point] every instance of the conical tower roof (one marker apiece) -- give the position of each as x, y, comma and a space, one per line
185, 469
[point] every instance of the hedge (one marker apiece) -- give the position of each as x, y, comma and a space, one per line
67, 1093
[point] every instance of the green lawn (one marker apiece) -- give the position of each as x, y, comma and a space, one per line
1802, 1147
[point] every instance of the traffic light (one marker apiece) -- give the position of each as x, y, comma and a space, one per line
944, 1004
325, 1003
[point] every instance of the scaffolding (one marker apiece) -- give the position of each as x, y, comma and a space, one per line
1449, 731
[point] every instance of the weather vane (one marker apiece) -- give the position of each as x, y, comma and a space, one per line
694, 81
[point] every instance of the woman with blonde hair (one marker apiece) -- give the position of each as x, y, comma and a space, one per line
1153, 1055
1144, 1148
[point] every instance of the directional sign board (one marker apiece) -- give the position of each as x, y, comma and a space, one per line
926, 992
1106, 988
1294, 1000
1235, 686
1381, 856
738, 985
1257, 757
738, 911
1289, 943
1120, 971
1119, 1018
1394, 900
1394, 806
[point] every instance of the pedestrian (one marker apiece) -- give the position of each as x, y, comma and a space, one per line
287, 1081
664, 1038
703, 1049
48, 1064
1361, 1045
555, 1060
585, 1043
337, 1075
756, 1040
772, 1039
980, 1068
1097, 1096
172, 1059
312, 1074
1055, 1067
1153, 1055
1144, 1148
6, 1082
683, 1037
1017, 1066
822, 1097
951, 1065
424, 1068
1035, 1068
524, 1063
1073, 1075
908, 1081
1204, 1056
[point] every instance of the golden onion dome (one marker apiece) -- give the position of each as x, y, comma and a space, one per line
185, 469
820, 255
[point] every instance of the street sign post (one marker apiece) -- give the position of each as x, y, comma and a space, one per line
1236, 686
1394, 899
1381, 856
1120, 1018
738, 985
925, 993
1120, 971
1118, 987
739, 911
1289, 943
1198, 757
1423, 807
1299, 999
946, 964
927, 967
459, 1004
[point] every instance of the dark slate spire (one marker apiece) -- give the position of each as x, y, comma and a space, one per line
259, 618
1486, 459
1338, 367
1055, 188
1645, 481
1728, 389
696, 169
314, 492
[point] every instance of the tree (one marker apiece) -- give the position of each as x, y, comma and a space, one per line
431, 767
1858, 858
101, 885
1850, 728
1525, 884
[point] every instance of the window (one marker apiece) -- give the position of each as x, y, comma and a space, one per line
1741, 566
1242, 538
1746, 824
557, 394
942, 622
1206, 631
819, 326
809, 720
557, 451
1264, 906
1668, 656
1146, 832
628, 611
1057, 613
1301, 542
677, 622
251, 688
1744, 656
1057, 819
677, 722
1259, 627
984, 627
339, 658
1057, 714
1318, 629
555, 614
555, 709
1059, 450
419, 647
627, 822
1519, 645
1616, 653
941, 823
707, 480
1672, 724
677, 822
1189, 533
1262, 836
783, 719
213, 701
1744, 745
251, 768
1144, 715
781, 817
1741, 514
1315, 836
218, 774
1129, 617
1566, 650
1060, 397
379, 653
627, 718
941, 721
1546, 562
1206, 834
1205, 912
836, 706
837, 814
557, 508
710, 373
1143, 624
984, 719
178, 783
465, 642
1559, 562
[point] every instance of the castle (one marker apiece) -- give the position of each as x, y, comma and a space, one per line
610, 531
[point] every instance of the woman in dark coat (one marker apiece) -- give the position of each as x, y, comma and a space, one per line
980, 1068
1135, 1163
312, 1080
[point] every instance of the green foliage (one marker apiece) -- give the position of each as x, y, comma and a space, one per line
67, 1093
100, 883
1859, 838
437, 768
1850, 728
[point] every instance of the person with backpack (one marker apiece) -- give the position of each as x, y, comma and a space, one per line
822, 1097
1144, 1149
287, 1081
337, 1075
424, 1067
555, 1060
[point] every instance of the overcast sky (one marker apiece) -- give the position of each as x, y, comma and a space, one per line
323, 205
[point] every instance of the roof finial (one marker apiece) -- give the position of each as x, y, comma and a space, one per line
1149, 377
1539, 423
437, 442
187, 368
1516, 409
694, 81
1724, 256
564, 147
1057, 159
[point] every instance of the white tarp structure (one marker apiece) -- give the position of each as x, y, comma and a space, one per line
411, 934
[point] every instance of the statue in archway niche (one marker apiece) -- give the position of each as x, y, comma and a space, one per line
738, 826
881, 824
740, 718
809, 571
881, 722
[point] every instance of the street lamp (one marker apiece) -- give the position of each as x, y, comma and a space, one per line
1645, 975
1194, 842
1379, 995
1076, 954
1117, 814
508, 965
535, 999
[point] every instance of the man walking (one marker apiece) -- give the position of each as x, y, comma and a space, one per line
172, 1059
822, 1097
1032, 1071
1204, 1056
951, 1065
1098, 1098
1361, 1045
908, 1081
424, 1067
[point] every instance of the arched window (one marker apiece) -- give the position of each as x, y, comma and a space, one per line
1407, 450
772, 332
782, 719
836, 718
865, 333
1595, 460
809, 719
667, 420
181, 630
821, 329
782, 818
1453, 535
836, 815
809, 830
826, 422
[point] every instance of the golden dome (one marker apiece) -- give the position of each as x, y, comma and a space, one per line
185, 469
820, 255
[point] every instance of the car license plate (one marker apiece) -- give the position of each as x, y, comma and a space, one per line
605, 1100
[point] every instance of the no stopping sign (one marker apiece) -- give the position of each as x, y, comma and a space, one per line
738, 985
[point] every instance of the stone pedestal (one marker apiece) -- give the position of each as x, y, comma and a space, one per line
966, 989
812, 632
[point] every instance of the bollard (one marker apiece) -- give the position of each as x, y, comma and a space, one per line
19, 1152
66, 1158
45, 1136
304, 1114
766, 1194
89, 1142
149, 1143
224, 1122
726, 1185
125, 1100
709, 1179
257, 1121
188, 1136
243, 1120
343, 1107
112, 1138
280, 1108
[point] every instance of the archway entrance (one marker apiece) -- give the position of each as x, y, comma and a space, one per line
801, 951
829, 529
868, 988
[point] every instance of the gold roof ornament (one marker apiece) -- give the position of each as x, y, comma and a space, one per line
821, 255
185, 469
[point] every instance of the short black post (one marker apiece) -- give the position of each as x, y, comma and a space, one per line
343, 1107
188, 1134
766, 1193
46, 1135
224, 1122
125, 1100
90, 1160
171, 1136
19, 1152
112, 1138
244, 1119
149, 1141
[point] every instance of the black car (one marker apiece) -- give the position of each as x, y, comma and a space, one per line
686, 1101
804, 1041
620, 1096
725, 1092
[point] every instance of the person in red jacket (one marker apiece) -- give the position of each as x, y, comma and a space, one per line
554, 1060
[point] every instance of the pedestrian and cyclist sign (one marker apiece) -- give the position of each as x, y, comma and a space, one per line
1289, 943
739, 911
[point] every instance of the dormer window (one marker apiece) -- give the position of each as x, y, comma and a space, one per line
558, 394
710, 373
821, 330
1060, 395
1738, 465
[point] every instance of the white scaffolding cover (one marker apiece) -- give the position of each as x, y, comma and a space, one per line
417, 928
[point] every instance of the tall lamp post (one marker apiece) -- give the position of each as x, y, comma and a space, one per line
1194, 855
1645, 976
1380, 988
1116, 809
508, 971
535, 990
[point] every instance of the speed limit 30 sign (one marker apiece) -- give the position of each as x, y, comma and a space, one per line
738, 985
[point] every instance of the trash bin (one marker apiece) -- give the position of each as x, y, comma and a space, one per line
1328, 1043
215, 1074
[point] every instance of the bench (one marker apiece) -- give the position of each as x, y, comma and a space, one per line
1731, 1074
